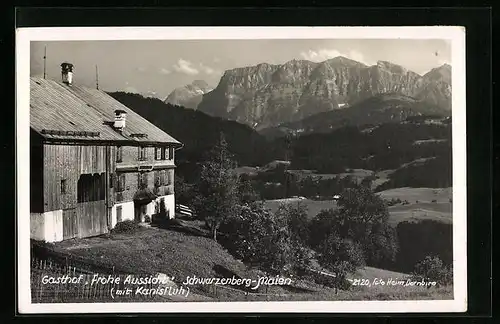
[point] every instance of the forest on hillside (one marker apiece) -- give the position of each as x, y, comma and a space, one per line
389, 146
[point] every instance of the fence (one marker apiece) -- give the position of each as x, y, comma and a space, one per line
56, 283
46, 263
65, 262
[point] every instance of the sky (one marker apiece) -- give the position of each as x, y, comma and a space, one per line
156, 67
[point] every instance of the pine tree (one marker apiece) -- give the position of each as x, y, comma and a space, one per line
217, 192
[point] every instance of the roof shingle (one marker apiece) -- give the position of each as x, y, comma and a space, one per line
62, 112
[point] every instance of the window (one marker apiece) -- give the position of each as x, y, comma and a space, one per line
91, 187
63, 186
164, 153
119, 154
142, 153
158, 153
142, 180
120, 185
171, 153
158, 182
119, 213
170, 177
162, 177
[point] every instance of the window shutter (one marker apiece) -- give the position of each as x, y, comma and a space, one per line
119, 152
122, 178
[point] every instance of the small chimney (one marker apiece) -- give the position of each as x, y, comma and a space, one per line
67, 73
120, 118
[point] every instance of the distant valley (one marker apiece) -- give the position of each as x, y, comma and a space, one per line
417, 148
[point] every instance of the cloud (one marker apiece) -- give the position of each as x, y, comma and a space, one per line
165, 71
130, 89
150, 93
325, 54
443, 61
185, 67
208, 70
141, 69
216, 60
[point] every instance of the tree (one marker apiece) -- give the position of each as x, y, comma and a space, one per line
257, 236
246, 191
363, 217
342, 256
296, 218
183, 191
217, 191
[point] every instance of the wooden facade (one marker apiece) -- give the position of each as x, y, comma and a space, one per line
86, 175
86, 181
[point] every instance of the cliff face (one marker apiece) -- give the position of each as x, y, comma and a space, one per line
190, 95
267, 95
436, 87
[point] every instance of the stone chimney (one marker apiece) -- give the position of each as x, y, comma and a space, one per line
120, 119
67, 73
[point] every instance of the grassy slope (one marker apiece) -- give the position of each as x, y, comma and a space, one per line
313, 206
181, 255
441, 210
170, 252
441, 195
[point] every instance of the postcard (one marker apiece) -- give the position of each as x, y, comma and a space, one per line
241, 169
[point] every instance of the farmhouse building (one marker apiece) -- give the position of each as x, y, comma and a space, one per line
93, 162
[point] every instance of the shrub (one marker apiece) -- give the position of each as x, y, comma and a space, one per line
432, 268
362, 217
332, 282
257, 236
127, 226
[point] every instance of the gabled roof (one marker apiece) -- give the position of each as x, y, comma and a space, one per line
77, 113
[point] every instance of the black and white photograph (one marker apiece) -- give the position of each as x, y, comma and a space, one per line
232, 169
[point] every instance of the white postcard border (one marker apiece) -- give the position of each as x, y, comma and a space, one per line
456, 35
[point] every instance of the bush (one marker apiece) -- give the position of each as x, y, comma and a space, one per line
362, 217
341, 256
128, 226
432, 269
333, 282
393, 201
255, 235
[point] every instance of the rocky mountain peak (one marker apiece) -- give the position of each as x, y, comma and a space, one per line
190, 95
391, 67
202, 84
266, 94
442, 73
342, 60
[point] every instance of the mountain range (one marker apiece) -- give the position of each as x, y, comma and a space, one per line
268, 95
375, 110
189, 96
